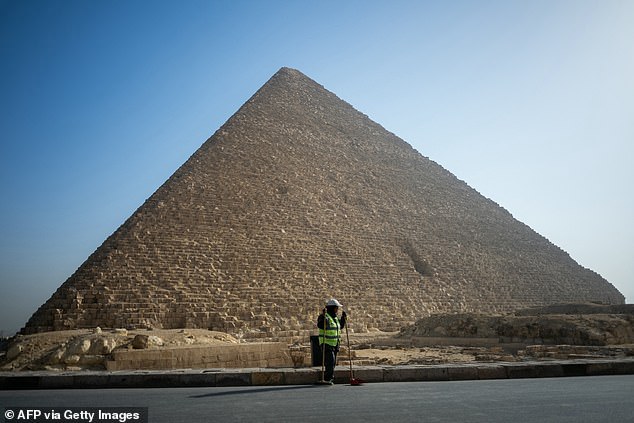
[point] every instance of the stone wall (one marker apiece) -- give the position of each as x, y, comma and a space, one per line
271, 354
298, 198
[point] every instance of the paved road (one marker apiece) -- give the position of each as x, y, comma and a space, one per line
579, 399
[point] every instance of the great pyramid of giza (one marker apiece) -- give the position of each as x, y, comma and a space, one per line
299, 197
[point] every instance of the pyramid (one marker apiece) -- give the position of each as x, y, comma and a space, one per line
297, 198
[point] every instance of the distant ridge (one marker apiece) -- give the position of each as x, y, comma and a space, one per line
299, 197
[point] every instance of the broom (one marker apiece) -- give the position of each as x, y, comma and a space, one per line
353, 381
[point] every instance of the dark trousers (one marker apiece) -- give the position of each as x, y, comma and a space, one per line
330, 360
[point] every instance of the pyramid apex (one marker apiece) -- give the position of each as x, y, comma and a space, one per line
291, 74
289, 71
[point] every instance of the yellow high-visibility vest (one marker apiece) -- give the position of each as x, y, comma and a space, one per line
332, 331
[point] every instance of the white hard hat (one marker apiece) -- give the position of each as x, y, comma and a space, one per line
333, 302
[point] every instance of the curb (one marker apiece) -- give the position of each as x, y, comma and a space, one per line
308, 376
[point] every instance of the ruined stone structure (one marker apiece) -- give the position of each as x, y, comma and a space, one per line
299, 197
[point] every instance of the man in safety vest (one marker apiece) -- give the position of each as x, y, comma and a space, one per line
329, 335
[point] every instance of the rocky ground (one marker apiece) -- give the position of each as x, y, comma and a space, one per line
90, 348
558, 332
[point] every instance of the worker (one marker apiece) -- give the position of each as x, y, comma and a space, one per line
329, 336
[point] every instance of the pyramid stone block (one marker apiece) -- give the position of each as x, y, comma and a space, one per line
299, 197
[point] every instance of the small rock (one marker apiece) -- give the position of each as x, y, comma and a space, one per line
141, 342
156, 341
72, 359
73, 368
14, 351
57, 356
102, 345
78, 346
440, 331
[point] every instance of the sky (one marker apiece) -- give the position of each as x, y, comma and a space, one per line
529, 102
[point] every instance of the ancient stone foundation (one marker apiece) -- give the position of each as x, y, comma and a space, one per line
271, 354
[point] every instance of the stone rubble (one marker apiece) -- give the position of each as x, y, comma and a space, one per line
438, 339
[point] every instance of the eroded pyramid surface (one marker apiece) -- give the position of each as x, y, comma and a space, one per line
298, 197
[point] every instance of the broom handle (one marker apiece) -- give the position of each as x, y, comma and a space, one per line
349, 351
323, 348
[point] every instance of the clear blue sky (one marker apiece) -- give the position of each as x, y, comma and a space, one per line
529, 102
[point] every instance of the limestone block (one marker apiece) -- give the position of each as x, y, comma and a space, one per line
267, 378
91, 360
14, 351
233, 379
71, 359
112, 366
610, 368
403, 374
434, 373
78, 346
141, 342
228, 356
57, 356
302, 376
102, 345
491, 372
462, 372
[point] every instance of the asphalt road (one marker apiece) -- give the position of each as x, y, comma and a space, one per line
578, 399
